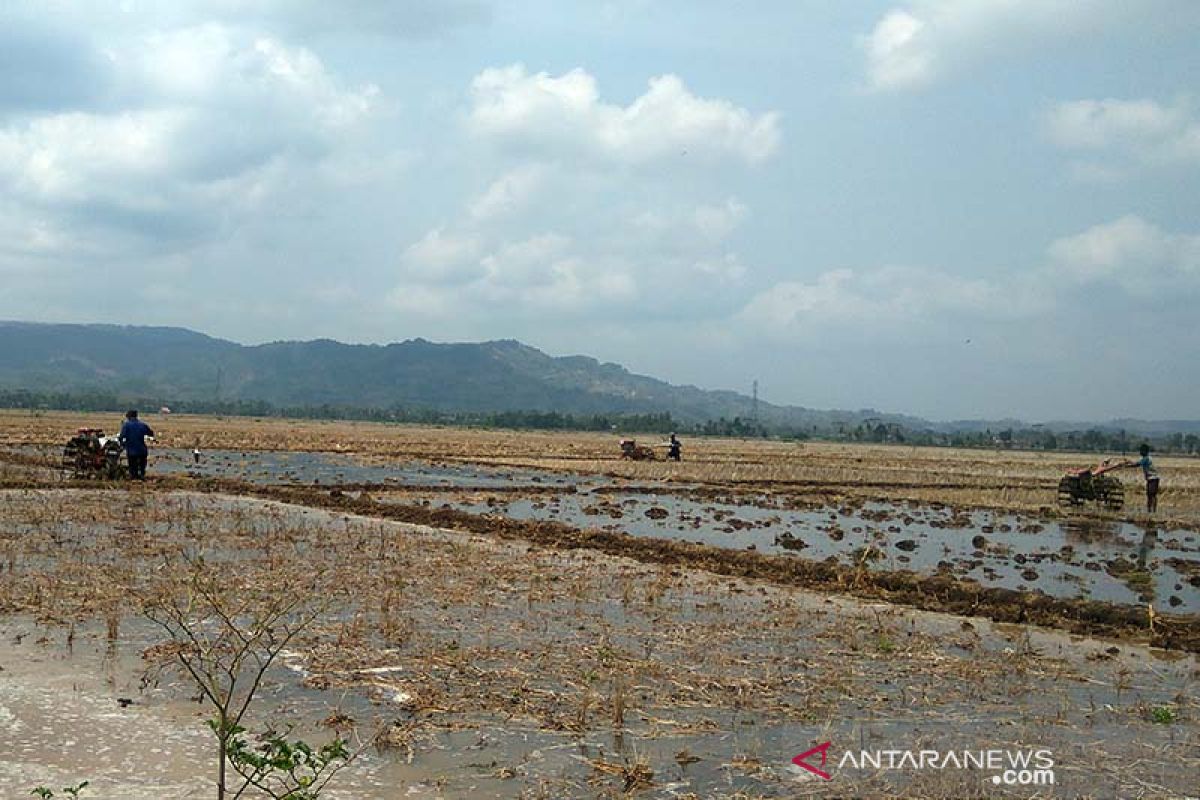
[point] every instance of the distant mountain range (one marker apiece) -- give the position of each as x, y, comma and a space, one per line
181, 365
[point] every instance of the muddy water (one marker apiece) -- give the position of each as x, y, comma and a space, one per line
332, 469
1103, 560
1092, 558
736, 674
77, 711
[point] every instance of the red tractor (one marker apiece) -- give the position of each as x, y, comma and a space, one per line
91, 454
633, 451
1091, 484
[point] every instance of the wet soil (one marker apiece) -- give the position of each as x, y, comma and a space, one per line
1103, 560
1085, 575
499, 667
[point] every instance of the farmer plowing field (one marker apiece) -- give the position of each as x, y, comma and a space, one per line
1092, 484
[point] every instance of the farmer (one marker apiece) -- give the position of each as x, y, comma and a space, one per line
133, 439
674, 448
1149, 540
1150, 474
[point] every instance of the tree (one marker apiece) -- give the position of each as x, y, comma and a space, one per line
226, 629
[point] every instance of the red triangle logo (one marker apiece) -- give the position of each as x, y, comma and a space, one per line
801, 760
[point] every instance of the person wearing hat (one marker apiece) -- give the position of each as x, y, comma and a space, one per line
1150, 474
673, 448
133, 438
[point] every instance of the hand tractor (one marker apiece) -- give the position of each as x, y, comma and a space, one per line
91, 454
636, 452
1091, 484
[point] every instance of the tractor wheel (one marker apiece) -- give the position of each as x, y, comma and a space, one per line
70, 457
114, 470
1110, 493
1069, 492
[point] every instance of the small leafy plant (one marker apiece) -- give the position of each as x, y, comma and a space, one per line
1163, 715
285, 770
68, 791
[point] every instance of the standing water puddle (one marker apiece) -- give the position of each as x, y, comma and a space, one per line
1092, 558
1098, 559
331, 469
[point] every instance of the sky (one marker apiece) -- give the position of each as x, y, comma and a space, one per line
956, 209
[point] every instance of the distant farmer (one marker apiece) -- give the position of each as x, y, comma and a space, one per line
674, 448
1150, 474
133, 439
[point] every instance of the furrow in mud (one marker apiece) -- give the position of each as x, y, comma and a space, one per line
931, 593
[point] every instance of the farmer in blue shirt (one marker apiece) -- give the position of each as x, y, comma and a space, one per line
1151, 476
133, 439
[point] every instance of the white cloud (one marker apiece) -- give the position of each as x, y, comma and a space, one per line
601, 273
277, 91
1142, 131
920, 42
727, 269
439, 257
510, 193
1136, 257
716, 223
538, 274
423, 301
701, 226
1133, 254
198, 120
896, 55
526, 263
890, 300
667, 121
71, 157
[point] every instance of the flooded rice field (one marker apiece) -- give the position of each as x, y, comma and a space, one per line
1086, 556
329, 469
1090, 558
470, 667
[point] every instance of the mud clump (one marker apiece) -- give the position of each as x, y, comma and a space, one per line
979, 541
790, 542
1120, 566
907, 545
657, 513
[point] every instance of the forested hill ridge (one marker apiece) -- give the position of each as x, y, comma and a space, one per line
185, 367
57, 364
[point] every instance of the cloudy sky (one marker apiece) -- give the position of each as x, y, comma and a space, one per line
954, 208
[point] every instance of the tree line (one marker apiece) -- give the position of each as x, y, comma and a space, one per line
868, 431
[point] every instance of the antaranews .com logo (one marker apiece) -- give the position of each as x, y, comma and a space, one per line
1023, 767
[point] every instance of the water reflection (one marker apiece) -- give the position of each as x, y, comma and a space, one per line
1088, 531
1146, 547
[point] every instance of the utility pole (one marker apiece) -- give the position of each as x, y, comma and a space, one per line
754, 412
